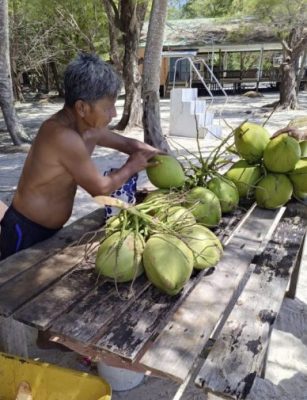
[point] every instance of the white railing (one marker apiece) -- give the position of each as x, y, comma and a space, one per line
197, 72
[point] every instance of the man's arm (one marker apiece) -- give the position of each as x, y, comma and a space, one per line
123, 144
75, 158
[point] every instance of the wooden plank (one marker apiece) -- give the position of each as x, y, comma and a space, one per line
58, 298
237, 356
128, 335
202, 309
25, 259
87, 321
13, 338
99, 355
24, 287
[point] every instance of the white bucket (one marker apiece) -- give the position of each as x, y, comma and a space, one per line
120, 379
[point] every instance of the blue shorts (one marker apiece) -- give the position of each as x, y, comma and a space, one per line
18, 233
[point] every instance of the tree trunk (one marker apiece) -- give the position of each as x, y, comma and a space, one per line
56, 78
114, 37
129, 16
132, 114
293, 49
151, 76
6, 90
131, 22
288, 95
45, 73
301, 70
17, 91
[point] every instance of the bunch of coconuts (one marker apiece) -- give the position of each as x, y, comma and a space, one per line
272, 170
159, 237
208, 202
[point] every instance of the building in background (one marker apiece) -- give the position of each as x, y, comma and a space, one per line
242, 54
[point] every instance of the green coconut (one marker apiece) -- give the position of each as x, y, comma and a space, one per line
300, 195
155, 195
303, 146
206, 247
299, 175
177, 216
298, 123
244, 176
168, 262
273, 191
282, 153
226, 191
204, 205
113, 224
167, 174
120, 256
250, 141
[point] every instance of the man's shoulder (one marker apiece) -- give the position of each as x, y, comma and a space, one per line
54, 130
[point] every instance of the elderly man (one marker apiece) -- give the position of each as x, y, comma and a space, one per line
60, 157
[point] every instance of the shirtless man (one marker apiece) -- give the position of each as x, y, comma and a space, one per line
60, 157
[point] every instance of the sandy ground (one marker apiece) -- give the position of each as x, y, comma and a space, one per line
287, 363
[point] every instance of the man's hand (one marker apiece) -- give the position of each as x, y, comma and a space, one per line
140, 159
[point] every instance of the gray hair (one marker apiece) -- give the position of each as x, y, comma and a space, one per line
89, 78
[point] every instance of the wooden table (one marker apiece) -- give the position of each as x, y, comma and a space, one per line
51, 287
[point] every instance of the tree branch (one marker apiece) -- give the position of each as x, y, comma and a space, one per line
300, 45
116, 17
285, 46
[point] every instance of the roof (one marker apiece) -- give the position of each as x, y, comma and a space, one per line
207, 32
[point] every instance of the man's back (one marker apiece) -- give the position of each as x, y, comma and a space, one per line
46, 190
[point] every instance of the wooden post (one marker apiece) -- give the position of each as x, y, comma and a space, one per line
259, 73
13, 337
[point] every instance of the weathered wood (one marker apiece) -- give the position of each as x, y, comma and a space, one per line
291, 292
237, 356
99, 355
25, 259
192, 325
13, 337
230, 223
128, 335
91, 316
57, 299
24, 287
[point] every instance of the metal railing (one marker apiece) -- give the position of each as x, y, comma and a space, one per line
197, 72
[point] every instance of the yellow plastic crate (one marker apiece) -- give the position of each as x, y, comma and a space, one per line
49, 382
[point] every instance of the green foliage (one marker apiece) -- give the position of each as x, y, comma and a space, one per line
206, 8
285, 14
50, 31
174, 9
